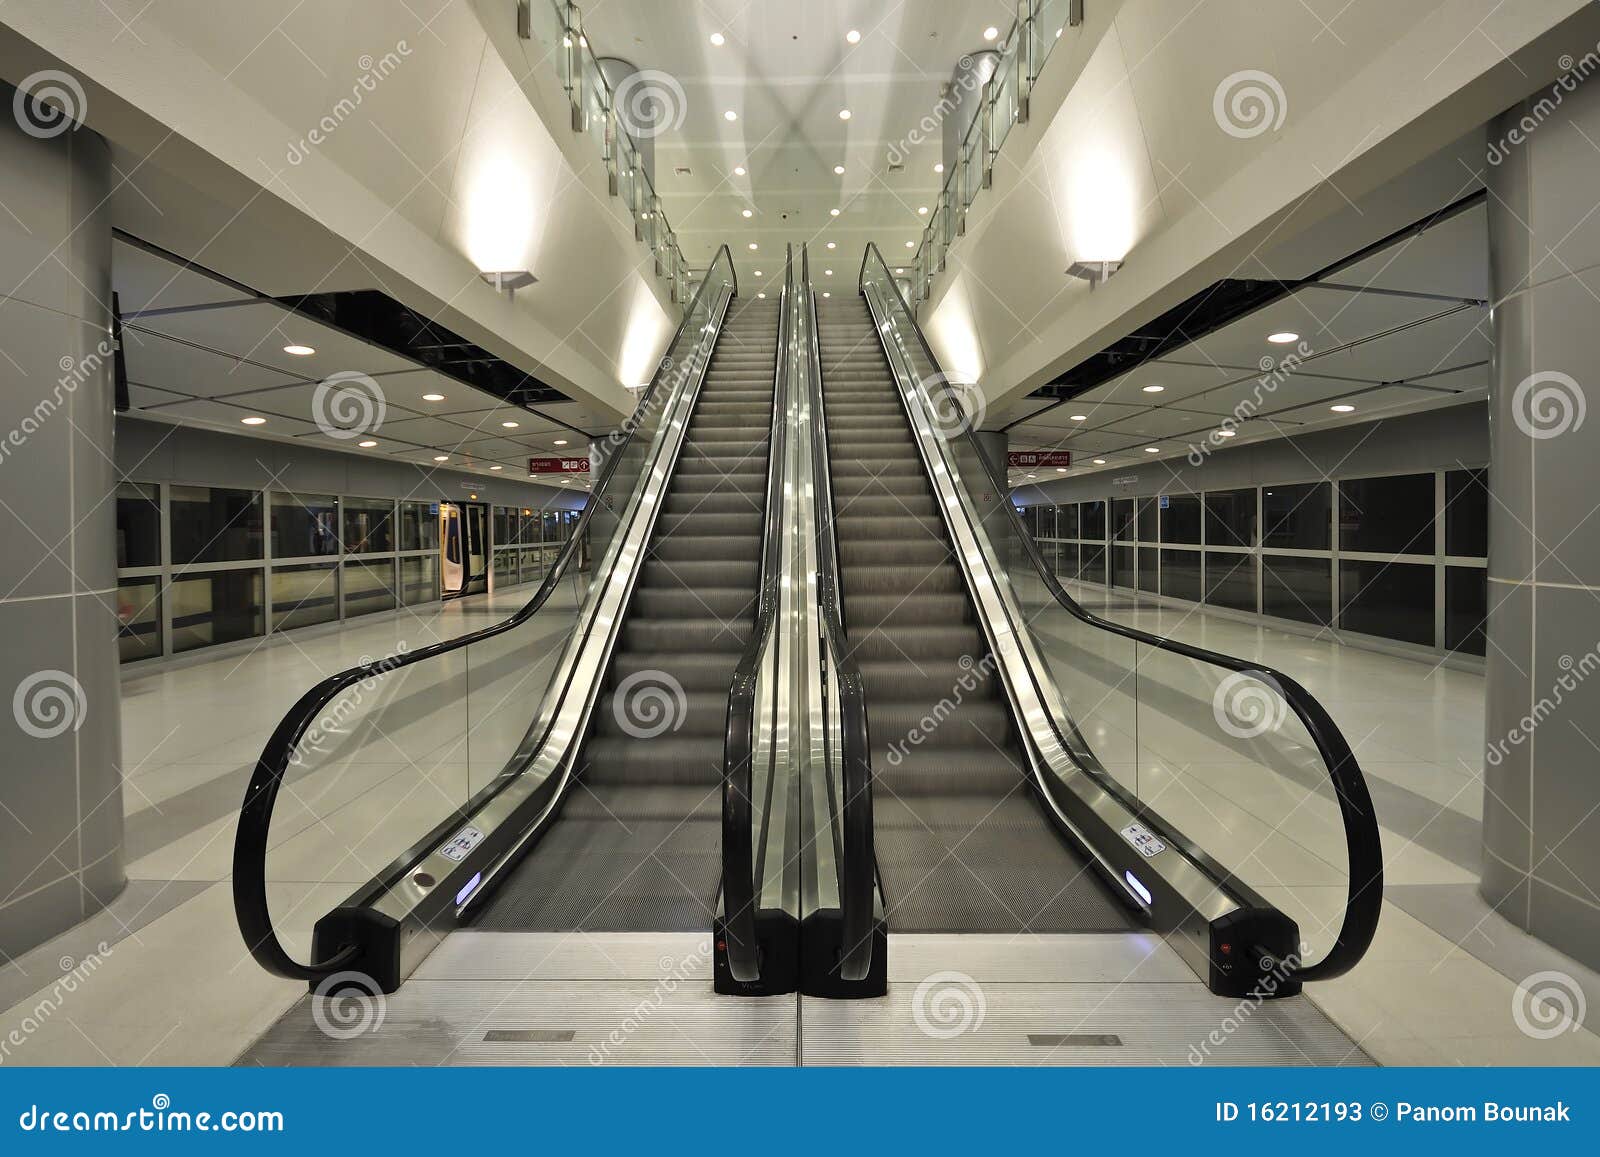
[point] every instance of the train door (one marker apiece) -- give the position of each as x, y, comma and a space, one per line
452, 555
475, 542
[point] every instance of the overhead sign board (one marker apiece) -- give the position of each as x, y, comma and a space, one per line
1032, 459
558, 465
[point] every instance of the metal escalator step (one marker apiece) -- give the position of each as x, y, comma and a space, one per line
914, 608
694, 636
910, 644
725, 603
669, 758
631, 712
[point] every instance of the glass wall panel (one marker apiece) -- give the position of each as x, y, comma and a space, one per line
1230, 517
1149, 569
1392, 515
505, 526
1067, 561
217, 607
419, 526
1122, 566
1466, 607
1180, 574
552, 526
1298, 516
1067, 520
304, 525
1231, 580
1092, 567
1297, 588
368, 586
138, 524
368, 526
419, 581
1149, 512
1394, 600
505, 567
1180, 521
531, 569
304, 595
215, 525
1122, 519
1092, 520
1466, 513
139, 618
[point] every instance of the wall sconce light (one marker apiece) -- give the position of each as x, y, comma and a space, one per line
1094, 272
509, 280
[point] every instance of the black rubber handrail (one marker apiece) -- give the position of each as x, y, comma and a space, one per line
255, 814
858, 871
1363, 842
738, 773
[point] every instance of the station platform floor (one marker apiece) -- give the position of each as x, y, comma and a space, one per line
171, 983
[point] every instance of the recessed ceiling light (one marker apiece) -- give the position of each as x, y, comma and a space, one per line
253, 421
738, 170
1099, 461
367, 444
1342, 409
825, 293
990, 32
749, 213
758, 273
838, 170
833, 212
1226, 433
433, 397
762, 296
1152, 449
853, 36
827, 273
1077, 417
718, 40
911, 244
1061, 469
730, 116
497, 467
561, 442
510, 425
1154, 389
922, 210
939, 168
1283, 338
754, 246
832, 245
441, 457
299, 351
844, 114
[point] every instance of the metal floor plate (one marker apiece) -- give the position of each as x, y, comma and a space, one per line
646, 999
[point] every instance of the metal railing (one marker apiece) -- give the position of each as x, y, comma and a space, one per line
1023, 51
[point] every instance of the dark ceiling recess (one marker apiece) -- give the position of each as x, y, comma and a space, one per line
380, 319
1212, 308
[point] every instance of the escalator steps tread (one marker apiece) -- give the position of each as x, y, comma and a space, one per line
962, 845
638, 846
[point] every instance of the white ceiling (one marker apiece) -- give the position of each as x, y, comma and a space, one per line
786, 69
1400, 331
201, 352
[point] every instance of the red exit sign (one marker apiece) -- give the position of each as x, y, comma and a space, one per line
558, 465
1032, 459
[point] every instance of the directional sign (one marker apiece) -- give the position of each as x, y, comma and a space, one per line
1029, 459
558, 465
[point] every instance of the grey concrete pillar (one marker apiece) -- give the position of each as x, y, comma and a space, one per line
1541, 827
60, 778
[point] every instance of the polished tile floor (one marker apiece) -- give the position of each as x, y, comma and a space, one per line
161, 977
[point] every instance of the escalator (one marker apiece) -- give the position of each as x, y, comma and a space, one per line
961, 843
1035, 768
638, 849
563, 770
